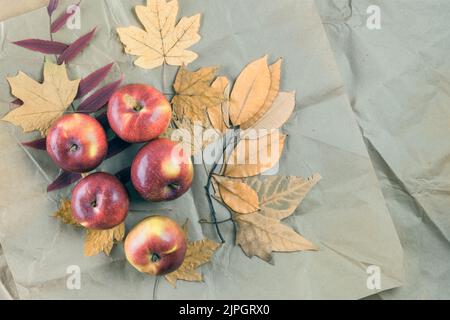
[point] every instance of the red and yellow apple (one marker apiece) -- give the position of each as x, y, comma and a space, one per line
77, 142
156, 246
138, 113
99, 201
162, 170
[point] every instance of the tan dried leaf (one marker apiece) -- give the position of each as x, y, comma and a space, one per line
43, 102
237, 195
102, 240
259, 235
254, 156
275, 77
64, 213
219, 114
250, 91
197, 254
162, 41
194, 94
281, 195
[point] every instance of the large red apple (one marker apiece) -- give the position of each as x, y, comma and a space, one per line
99, 201
138, 113
157, 246
161, 171
77, 142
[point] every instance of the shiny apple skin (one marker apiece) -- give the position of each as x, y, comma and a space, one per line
77, 142
161, 171
99, 201
156, 246
138, 113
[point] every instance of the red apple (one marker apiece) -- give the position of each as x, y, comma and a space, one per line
77, 142
99, 201
157, 246
161, 171
138, 113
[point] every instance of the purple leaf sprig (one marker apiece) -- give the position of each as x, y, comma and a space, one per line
76, 47
43, 46
62, 19
52, 5
99, 98
88, 83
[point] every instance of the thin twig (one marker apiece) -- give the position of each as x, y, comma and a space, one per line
155, 287
204, 221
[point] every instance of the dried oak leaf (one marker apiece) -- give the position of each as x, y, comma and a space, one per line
238, 196
42, 102
162, 41
194, 94
252, 157
64, 213
279, 196
219, 114
259, 235
197, 254
97, 241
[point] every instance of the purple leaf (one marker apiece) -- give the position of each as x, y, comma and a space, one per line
99, 98
63, 180
116, 146
43, 46
76, 47
52, 5
92, 80
17, 102
61, 20
38, 144
124, 175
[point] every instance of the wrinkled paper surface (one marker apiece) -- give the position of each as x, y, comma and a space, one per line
345, 214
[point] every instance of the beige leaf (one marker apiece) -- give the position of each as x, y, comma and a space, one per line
197, 254
162, 41
43, 102
281, 195
194, 94
254, 156
64, 213
259, 235
237, 195
277, 115
250, 91
218, 115
102, 240
275, 77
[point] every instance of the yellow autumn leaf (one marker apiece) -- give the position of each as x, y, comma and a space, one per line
197, 254
259, 235
279, 196
43, 102
238, 196
97, 241
163, 40
275, 77
250, 91
219, 114
254, 156
64, 213
194, 94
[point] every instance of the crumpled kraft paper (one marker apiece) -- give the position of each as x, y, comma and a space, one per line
398, 79
345, 214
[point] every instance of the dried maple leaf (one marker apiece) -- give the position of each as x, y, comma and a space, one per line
197, 254
65, 213
238, 196
279, 196
250, 91
102, 240
162, 41
251, 157
259, 235
194, 94
42, 102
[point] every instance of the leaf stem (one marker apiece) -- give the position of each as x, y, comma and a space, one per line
204, 221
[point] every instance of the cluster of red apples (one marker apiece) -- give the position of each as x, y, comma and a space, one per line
160, 171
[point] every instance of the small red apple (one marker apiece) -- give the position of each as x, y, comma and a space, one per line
138, 113
161, 171
77, 142
99, 201
157, 246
